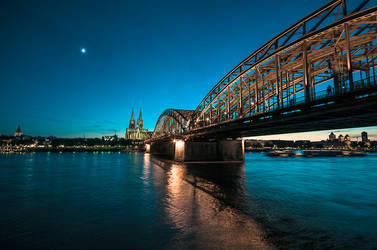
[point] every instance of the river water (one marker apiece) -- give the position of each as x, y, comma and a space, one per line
135, 201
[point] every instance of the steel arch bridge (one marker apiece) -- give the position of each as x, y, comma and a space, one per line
317, 70
172, 122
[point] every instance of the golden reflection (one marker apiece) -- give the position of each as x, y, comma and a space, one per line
178, 207
146, 168
204, 209
147, 148
175, 177
179, 144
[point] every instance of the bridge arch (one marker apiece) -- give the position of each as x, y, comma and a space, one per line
172, 122
324, 54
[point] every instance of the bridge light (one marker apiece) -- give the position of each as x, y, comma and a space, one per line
179, 144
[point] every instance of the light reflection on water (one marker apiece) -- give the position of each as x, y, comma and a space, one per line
193, 206
137, 201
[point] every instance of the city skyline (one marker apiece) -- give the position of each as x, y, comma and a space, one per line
51, 87
355, 135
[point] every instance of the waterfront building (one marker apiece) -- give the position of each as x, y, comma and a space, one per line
341, 138
18, 132
137, 133
332, 137
283, 143
302, 143
110, 138
364, 136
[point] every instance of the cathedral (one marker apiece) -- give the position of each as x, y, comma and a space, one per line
137, 133
18, 132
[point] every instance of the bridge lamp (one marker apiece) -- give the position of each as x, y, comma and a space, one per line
179, 144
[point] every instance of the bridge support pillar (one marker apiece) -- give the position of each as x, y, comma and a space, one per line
164, 149
200, 151
148, 148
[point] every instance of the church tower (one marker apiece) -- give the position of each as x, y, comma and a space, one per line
18, 131
135, 132
140, 121
132, 121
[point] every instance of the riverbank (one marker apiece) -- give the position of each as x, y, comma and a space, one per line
269, 149
315, 153
72, 150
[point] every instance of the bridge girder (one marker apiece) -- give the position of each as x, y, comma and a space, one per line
328, 54
296, 66
172, 122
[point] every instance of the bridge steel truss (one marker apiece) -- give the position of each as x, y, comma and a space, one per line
172, 122
322, 54
327, 55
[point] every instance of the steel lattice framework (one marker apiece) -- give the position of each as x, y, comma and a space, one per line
328, 53
172, 122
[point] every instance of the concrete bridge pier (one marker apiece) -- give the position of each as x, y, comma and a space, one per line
199, 151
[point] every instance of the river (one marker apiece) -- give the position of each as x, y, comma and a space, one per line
135, 201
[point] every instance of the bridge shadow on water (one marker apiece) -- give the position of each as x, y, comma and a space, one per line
216, 206
206, 203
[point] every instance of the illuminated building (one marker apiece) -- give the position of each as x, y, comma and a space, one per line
347, 138
138, 133
332, 137
111, 138
18, 132
364, 136
341, 138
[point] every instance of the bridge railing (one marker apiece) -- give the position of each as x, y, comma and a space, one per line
362, 84
331, 92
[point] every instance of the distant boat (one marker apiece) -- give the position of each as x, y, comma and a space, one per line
281, 153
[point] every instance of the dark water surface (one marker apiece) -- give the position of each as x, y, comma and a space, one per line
134, 201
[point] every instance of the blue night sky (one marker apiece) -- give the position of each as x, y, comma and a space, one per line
139, 54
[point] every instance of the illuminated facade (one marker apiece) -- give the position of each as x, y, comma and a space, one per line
18, 132
110, 138
347, 138
332, 137
341, 138
364, 136
137, 133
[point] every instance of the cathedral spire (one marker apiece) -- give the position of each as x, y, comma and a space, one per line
132, 121
140, 121
18, 131
140, 118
